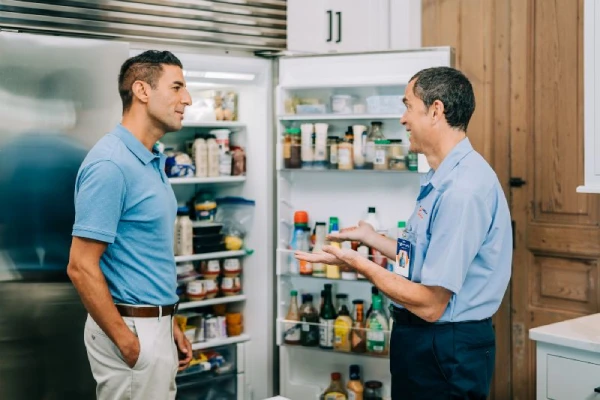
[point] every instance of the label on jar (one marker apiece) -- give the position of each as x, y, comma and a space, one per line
333, 155
213, 266
227, 283
334, 396
195, 288
326, 332
231, 265
379, 157
351, 395
292, 332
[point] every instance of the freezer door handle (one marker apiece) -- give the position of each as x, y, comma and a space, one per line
339, 18
330, 13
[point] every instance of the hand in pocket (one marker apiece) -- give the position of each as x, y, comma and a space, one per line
131, 352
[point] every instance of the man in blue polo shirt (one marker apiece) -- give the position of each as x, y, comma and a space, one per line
121, 259
459, 244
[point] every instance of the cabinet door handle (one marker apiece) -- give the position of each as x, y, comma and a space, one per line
339, 18
330, 25
597, 390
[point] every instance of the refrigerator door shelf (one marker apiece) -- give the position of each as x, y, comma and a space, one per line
220, 342
348, 117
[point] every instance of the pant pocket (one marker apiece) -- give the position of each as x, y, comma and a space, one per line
146, 331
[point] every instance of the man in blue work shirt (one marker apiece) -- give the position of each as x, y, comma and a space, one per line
121, 259
459, 243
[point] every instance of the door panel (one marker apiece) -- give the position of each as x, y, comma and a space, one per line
557, 236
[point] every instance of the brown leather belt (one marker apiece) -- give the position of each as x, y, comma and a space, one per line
146, 311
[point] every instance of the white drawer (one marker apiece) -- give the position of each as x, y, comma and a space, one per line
569, 379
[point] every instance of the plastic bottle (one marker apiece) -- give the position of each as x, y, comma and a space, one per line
336, 390
213, 157
292, 329
185, 232
307, 153
299, 242
326, 320
372, 219
320, 155
200, 152
355, 386
321, 232
360, 140
342, 326
333, 271
377, 329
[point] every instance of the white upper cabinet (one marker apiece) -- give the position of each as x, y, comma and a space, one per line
338, 26
591, 65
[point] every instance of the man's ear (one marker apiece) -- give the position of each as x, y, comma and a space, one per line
438, 110
141, 91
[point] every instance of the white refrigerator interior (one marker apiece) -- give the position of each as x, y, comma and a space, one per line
251, 78
305, 371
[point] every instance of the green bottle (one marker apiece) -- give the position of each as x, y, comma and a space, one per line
377, 329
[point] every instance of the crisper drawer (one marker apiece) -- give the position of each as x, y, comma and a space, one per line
569, 379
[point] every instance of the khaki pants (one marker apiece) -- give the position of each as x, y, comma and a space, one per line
152, 377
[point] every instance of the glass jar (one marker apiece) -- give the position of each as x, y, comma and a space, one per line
373, 390
292, 146
332, 145
345, 157
412, 161
380, 161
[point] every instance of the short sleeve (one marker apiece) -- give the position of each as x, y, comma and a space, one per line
458, 230
99, 201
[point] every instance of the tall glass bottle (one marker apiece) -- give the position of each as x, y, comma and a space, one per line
374, 134
326, 320
292, 324
310, 322
358, 337
333, 271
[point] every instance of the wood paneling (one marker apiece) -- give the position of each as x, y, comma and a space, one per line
480, 33
525, 60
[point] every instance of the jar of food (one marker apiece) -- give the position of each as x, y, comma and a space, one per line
332, 144
231, 286
380, 161
395, 149
206, 211
195, 290
292, 148
210, 269
211, 288
345, 159
373, 390
232, 267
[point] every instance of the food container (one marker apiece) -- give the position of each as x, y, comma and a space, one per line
342, 104
210, 269
195, 290
231, 286
385, 105
232, 267
233, 318
211, 328
210, 286
311, 109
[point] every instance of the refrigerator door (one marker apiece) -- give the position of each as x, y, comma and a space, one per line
340, 91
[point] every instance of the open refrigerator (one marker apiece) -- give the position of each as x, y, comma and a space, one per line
265, 90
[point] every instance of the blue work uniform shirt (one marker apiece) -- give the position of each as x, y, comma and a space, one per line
123, 197
461, 235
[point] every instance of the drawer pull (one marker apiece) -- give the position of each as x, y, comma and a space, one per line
597, 390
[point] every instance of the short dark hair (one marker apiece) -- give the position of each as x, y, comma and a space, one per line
146, 67
452, 88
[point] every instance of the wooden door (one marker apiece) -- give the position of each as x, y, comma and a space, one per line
557, 236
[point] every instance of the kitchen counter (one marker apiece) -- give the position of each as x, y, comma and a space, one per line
580, 333
568, 359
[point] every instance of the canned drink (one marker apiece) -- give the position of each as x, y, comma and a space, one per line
211, 328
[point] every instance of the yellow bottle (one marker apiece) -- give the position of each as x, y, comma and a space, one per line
342, 327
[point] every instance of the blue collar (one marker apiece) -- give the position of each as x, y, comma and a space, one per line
134, 145
460, 151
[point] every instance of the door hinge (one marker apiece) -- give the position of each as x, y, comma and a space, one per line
516, 182
513, 225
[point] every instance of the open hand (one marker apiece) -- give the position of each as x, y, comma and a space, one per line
330, 255
355, 233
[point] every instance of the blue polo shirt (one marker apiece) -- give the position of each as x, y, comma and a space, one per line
123, 197
461, 235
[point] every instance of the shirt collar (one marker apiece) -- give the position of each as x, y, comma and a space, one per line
134, 145
459, 152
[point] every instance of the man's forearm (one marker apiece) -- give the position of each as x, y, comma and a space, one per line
93, 290
383, 244
417, 298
